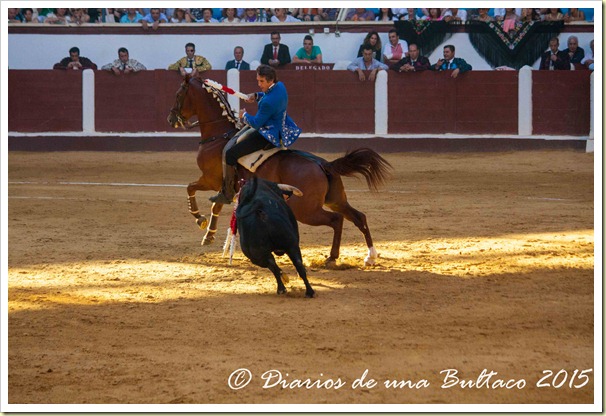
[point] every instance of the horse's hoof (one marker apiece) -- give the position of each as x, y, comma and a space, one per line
206, 241
310, 294
330, 263
369, 261
281, 291
202, 222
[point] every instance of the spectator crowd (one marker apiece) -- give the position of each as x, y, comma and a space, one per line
150, 16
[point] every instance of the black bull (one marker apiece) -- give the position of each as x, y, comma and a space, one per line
267, 225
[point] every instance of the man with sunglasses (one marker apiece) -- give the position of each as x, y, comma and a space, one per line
190, 63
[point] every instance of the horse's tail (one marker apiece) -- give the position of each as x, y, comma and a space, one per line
365, 162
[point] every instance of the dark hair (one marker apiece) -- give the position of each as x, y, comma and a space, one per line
74, 49
275, 32
393, 30
123, 49
378, 47
190, 44
308, 37
267, 72
367, 47
451, 47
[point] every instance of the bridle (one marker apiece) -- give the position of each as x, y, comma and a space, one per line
218, 95
176, 110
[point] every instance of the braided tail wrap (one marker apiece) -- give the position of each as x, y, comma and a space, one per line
362, 162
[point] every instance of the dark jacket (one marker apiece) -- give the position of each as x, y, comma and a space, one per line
283, 54
578, 55
421, 64
562, 62
244, 66
85, 62
456, 63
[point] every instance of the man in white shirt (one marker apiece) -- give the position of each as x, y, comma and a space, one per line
395, 50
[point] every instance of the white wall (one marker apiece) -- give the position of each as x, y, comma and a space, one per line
29, 51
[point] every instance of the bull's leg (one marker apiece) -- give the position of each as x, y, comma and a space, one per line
192, 205
209, 237
359, 220
297, 260
271, 265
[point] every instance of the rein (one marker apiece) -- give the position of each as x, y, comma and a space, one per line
217, 94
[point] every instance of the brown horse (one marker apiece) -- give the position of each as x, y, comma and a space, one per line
319, 180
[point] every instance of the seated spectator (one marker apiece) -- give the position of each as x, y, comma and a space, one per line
28, 16
433, 15
574, 51
414, 62
509, 20
79, 16
554, 15
367, 63
309, 53
411, 14
529, 15
554, 59
75, 61
238, 62
251, 16
396, 49
455, 15
398, 13
181, 16
308, 15
360, 15
499, 14
385, 15
229, 16
124, 65
13, 15
280, 16
110, 15
58, 17
207, 16
155, 18
372, 39
450, 62
574, 15
483, 15
275, 53
328, 15
191, 63
131, 16
588, 59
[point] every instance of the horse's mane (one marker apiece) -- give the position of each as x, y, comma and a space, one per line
221, 98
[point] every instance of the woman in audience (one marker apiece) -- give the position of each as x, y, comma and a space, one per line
574, 15
58, 17
372, 39
554, 15
530, 15
79, 16
229, 16
483, 15
434, 15
385, 15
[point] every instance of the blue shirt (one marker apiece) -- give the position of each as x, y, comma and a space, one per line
359, 63
271, 119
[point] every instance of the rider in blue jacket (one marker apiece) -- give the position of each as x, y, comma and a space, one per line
270, 127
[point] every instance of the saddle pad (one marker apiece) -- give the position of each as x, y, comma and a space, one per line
255, 159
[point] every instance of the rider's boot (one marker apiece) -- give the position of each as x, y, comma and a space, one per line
228, 190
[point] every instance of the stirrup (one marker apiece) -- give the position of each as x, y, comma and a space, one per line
220, 198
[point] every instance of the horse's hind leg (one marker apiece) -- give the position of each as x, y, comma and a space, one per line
359, 220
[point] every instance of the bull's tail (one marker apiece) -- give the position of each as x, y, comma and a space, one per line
365, 162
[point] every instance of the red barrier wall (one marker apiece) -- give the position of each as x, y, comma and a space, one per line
477, 102
474, 103
560, 102
44, 100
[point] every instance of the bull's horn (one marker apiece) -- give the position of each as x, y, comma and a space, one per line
290, 188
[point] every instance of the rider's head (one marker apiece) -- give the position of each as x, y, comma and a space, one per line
266, 77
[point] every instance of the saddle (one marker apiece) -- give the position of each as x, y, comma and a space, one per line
255, 159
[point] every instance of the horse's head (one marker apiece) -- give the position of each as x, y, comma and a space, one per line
183, 109
196, 98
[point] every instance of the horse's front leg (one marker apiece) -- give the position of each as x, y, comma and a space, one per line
192, 204
209, 237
